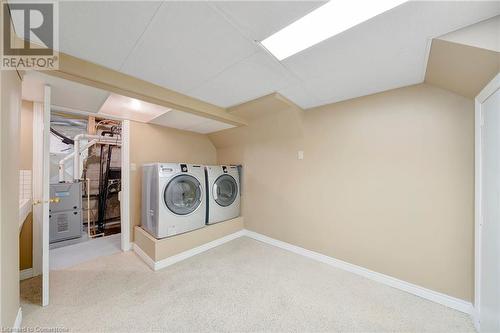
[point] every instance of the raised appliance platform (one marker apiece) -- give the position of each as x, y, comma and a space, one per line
160, 253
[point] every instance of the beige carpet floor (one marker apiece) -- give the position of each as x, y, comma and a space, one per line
241, 286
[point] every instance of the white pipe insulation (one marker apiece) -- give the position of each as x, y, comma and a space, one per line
78, 151
70, 156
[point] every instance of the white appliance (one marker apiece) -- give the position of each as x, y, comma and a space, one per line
223, 187
173, 198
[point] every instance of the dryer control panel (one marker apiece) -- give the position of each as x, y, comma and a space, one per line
165, 170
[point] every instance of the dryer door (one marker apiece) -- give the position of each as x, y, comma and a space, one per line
225, 190
183, 194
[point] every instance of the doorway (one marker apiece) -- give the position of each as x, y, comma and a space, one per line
84, 216
487, 207
80, 210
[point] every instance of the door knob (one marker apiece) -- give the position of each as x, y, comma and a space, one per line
51, 200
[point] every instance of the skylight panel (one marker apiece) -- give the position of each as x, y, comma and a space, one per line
324, 22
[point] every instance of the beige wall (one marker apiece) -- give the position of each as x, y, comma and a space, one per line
10, 99
386, 182
26, 163
26, 244
153, 143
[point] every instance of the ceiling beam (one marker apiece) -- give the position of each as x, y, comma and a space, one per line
90, 74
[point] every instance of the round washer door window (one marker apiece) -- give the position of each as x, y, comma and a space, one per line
225, 190
183, 194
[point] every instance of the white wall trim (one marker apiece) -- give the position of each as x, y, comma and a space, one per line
147, 259
19, 321
428, 294
490, 88
186, 254
37, 185
487, 91
46, 196
26, 274
125, 187
197, 250
478, 119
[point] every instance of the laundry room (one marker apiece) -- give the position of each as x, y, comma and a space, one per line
95, 208
251, 166
84, 188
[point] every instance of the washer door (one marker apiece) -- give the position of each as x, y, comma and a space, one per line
182, 194
225, 190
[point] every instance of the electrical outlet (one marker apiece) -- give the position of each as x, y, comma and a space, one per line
300, 155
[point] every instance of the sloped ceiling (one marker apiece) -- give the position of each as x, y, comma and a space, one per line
465, 60
210, 50
461, 68
484, 35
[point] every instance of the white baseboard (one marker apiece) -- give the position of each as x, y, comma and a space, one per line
431, 295
18, 322
147, 259
437, 297
26, 274
128, 246
475, 320
186, 254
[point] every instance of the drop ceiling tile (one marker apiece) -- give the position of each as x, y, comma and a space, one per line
253, 77
186, 44
206, 49
485, 35
386, 52
299, 94
210, 126
178, 119
260, 19
64, 93
103, 32
326, 94
130, 108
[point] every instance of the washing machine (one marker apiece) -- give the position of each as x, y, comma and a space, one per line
173, 198
223, 193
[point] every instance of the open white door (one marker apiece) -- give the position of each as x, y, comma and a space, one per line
41, 173
46, 199
487, 289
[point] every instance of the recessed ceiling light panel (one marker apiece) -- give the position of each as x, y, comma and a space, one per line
131, 108
324, 22
135, 104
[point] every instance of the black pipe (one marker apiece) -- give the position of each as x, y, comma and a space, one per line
103, 188
99, 202
64, 138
